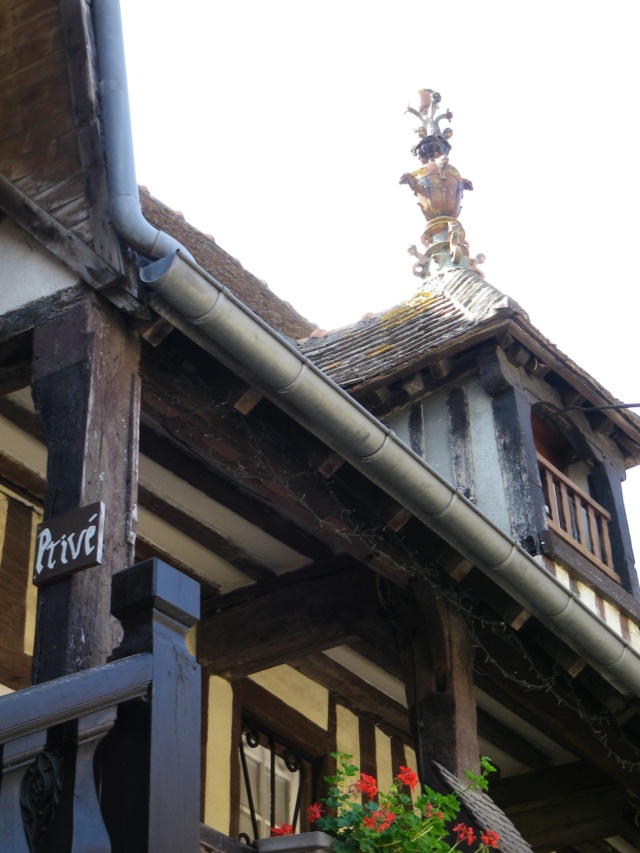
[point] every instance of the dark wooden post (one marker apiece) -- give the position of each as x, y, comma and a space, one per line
87, 395
437, 654
151, 760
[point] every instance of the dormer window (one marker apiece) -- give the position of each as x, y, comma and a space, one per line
572, 512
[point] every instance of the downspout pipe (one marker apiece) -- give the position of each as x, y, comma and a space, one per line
283, 373
124, 197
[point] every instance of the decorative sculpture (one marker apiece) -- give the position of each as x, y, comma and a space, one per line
439, 188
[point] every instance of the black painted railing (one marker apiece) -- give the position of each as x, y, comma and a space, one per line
108, 760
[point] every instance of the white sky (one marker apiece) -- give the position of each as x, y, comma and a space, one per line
278, 127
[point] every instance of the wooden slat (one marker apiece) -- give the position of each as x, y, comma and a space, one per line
552, 496
583, 538
38, 139
606, 542
60, 242
594, 534
41, 37
81, 59
35, 93
565, 516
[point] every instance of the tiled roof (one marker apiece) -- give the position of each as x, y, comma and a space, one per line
458, 302
487, 815
280, 315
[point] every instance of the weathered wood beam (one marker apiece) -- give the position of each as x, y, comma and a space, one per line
437, 653
86, 392
205, 536
553, 709
182, 462
548, 784
267, 456
391, 717
301, 613
587, 817
245, 399
15, 364
326, 462
79, 40
510, 741
57, 239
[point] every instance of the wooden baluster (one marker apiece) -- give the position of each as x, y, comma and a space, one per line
17, 756
583, 537
554, 512
607, 557
566, 509
596, 540
89, 832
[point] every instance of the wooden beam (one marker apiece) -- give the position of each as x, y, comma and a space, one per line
437, 653
510, 741
391, 717
440, 368
205, 536
554, 709
57, 239
198, 474
245, 399
326, 462
587, 817
267, 458
267, 624
86, 392
15, 364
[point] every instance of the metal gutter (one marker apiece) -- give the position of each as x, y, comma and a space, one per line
322, 406
124, 196
344, 425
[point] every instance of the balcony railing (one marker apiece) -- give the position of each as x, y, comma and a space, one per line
107, 760
576, 518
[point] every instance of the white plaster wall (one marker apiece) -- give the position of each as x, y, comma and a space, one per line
28, 272
488, 482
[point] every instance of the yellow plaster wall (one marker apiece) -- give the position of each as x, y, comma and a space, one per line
297, 691
348, 733
218, 755
384, 766
30, 591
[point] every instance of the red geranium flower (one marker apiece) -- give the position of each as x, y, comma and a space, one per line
282, 829
379, 820
314, 812
367, 785
407, 777
489, 838
465, 833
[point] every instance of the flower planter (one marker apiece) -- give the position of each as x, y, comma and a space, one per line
303, 842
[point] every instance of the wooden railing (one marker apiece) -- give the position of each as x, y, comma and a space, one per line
140, 791
576, 518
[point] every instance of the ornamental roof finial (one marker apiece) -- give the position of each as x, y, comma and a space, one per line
439, 187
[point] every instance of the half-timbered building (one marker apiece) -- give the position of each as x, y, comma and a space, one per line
231, 544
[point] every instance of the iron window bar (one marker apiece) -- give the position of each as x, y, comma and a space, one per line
254, 737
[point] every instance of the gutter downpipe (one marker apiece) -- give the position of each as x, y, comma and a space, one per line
322, 406
124, 197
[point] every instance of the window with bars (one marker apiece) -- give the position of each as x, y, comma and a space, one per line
274, 783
